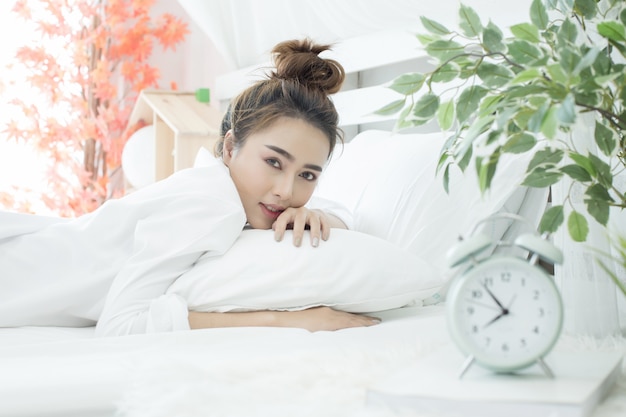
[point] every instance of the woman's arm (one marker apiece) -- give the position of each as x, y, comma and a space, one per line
313, 319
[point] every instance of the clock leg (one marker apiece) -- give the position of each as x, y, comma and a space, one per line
466, 365
546, 369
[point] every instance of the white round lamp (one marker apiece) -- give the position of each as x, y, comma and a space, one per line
138, 158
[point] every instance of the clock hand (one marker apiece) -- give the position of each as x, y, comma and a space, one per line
502, 308
505, 312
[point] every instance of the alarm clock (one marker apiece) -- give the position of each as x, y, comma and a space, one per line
504, 311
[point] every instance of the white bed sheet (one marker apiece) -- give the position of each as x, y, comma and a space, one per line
225, 372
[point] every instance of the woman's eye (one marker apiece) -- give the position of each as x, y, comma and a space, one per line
309, 176
273, 162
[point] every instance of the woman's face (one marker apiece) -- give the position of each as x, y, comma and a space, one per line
276, 168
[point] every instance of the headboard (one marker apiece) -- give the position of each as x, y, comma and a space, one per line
370, 61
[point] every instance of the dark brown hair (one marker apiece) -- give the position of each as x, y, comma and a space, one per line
298, 88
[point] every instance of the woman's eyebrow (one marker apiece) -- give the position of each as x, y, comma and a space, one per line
291, 158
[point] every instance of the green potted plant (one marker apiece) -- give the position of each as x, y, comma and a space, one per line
528, 92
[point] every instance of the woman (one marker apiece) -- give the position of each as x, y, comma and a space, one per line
277, 137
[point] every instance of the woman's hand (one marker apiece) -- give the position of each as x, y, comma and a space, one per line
301, 218
312, 319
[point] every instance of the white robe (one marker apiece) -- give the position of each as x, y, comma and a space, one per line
129, 250
113, 266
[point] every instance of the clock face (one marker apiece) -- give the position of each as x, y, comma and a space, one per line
504, 312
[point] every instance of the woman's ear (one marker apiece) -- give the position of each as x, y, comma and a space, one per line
228, 147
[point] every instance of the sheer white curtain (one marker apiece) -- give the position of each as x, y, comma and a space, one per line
244, 31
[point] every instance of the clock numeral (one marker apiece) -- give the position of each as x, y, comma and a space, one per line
470, 310
536, 295
488, 282
477, 294
505, 276
542, 312
505, 347
474, 329
522, 342
536, 329
523, 281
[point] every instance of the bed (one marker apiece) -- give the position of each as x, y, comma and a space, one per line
292, 372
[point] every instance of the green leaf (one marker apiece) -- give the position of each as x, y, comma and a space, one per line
542, 177
426, 39
469, 21
465, 160
585, 7
527, 75
583, 162
408, 83
520, 143
391, 108
550, 123
426, 106
526, 31
598, 209
612, 30
603, 171
598, 192
566, 112
556, 73
604, 80
577, 226
492, 38
587, 60
444, 50
445, 73
434, 27
489, 105
576, 172
538, 14
551, 220
445, 115
545, 157
605, 138
567, 34
469, 101
525, 53
487, 170
569, 60
494, 75
446, 179
535, 121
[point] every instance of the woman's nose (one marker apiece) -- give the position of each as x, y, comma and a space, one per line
283, 187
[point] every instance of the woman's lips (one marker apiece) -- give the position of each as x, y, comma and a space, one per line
271, 211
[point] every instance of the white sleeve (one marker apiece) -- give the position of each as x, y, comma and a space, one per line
332, 207
166, 244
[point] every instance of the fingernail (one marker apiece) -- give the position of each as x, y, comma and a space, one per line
316, 242
298, 241
376, 320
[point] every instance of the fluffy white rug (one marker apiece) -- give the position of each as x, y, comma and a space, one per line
321, 381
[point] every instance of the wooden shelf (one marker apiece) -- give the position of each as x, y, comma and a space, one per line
182, 125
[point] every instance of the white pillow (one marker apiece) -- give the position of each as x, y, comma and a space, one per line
351, 271
389, 182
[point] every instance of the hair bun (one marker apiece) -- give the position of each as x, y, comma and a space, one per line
299, 60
